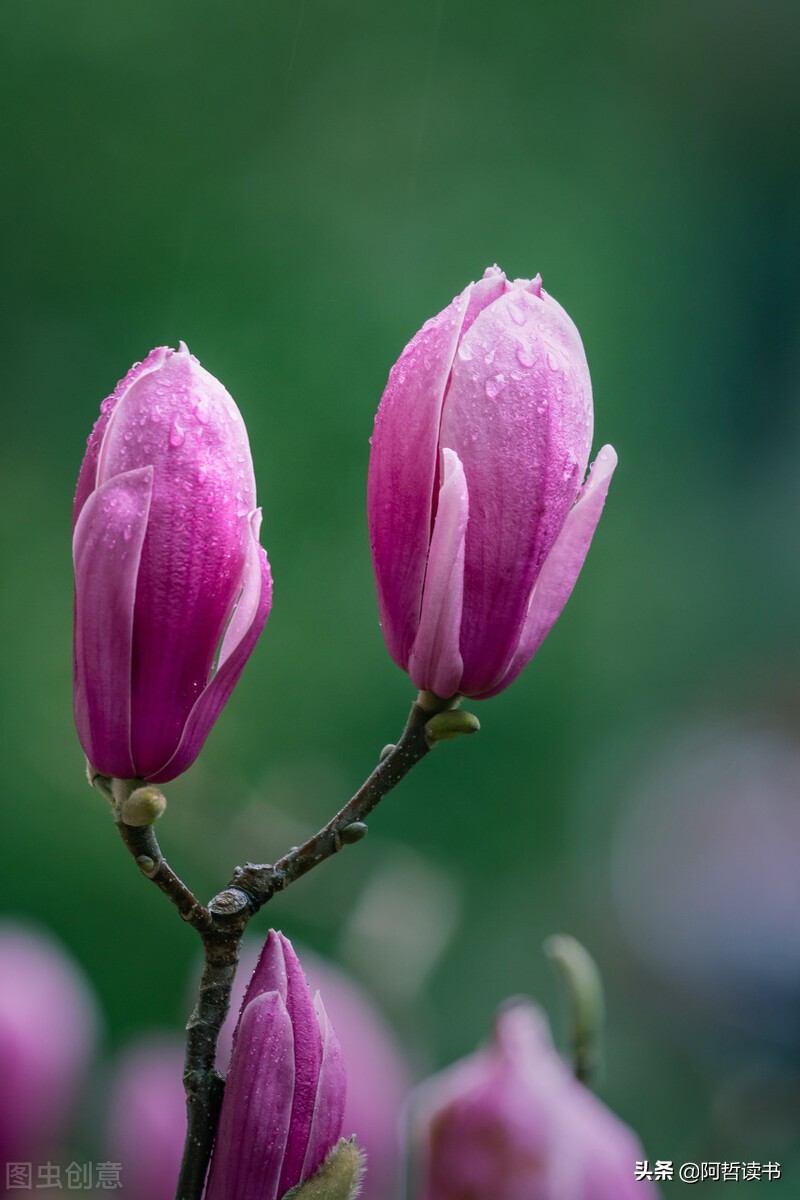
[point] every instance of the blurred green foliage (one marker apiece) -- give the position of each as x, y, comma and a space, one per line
293, 189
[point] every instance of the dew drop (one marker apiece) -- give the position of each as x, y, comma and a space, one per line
176, 436
489, 358
525, 357
518, 314
494, 386
465, 352
552, 361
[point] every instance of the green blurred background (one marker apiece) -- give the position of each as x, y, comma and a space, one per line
293, 190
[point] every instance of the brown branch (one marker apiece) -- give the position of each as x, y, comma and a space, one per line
143, 845
222, 923
261, 882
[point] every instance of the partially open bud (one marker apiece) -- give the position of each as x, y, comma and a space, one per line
479, 517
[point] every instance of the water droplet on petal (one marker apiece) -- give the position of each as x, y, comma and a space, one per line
525, 357
519, 315
494, 386
176, 435
552, 362
465, 352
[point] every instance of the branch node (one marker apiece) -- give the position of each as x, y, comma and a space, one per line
229, 903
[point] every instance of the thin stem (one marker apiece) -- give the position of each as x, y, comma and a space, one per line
143, 845
261, 882
203, 1083
222, 923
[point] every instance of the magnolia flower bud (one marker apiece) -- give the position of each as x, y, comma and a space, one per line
378, 1079
478, 522
171, 586
284, 1100
513, 1122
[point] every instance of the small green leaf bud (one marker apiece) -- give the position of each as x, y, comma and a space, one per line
451, 724
143, 807
353, 832
339, 1177
583, 985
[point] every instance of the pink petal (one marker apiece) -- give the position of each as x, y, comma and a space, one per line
270, 973
483, 293
244, 631
435, 662
308, 1065
329, 1102
107, 549
562, 566
181, 420
279, 969
256, 1109
402, 473
518, 414
87, 480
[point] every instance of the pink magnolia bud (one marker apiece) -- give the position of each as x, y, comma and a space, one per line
512, 1123
47, 1035
171, 586
147, 1118
378, 1079
284, 1100
478, 522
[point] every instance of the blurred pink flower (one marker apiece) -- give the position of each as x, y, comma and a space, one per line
147, 1117
172, 588
478, 522
512, 1123
48, 1031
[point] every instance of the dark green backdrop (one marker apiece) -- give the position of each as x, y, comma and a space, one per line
293, 189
